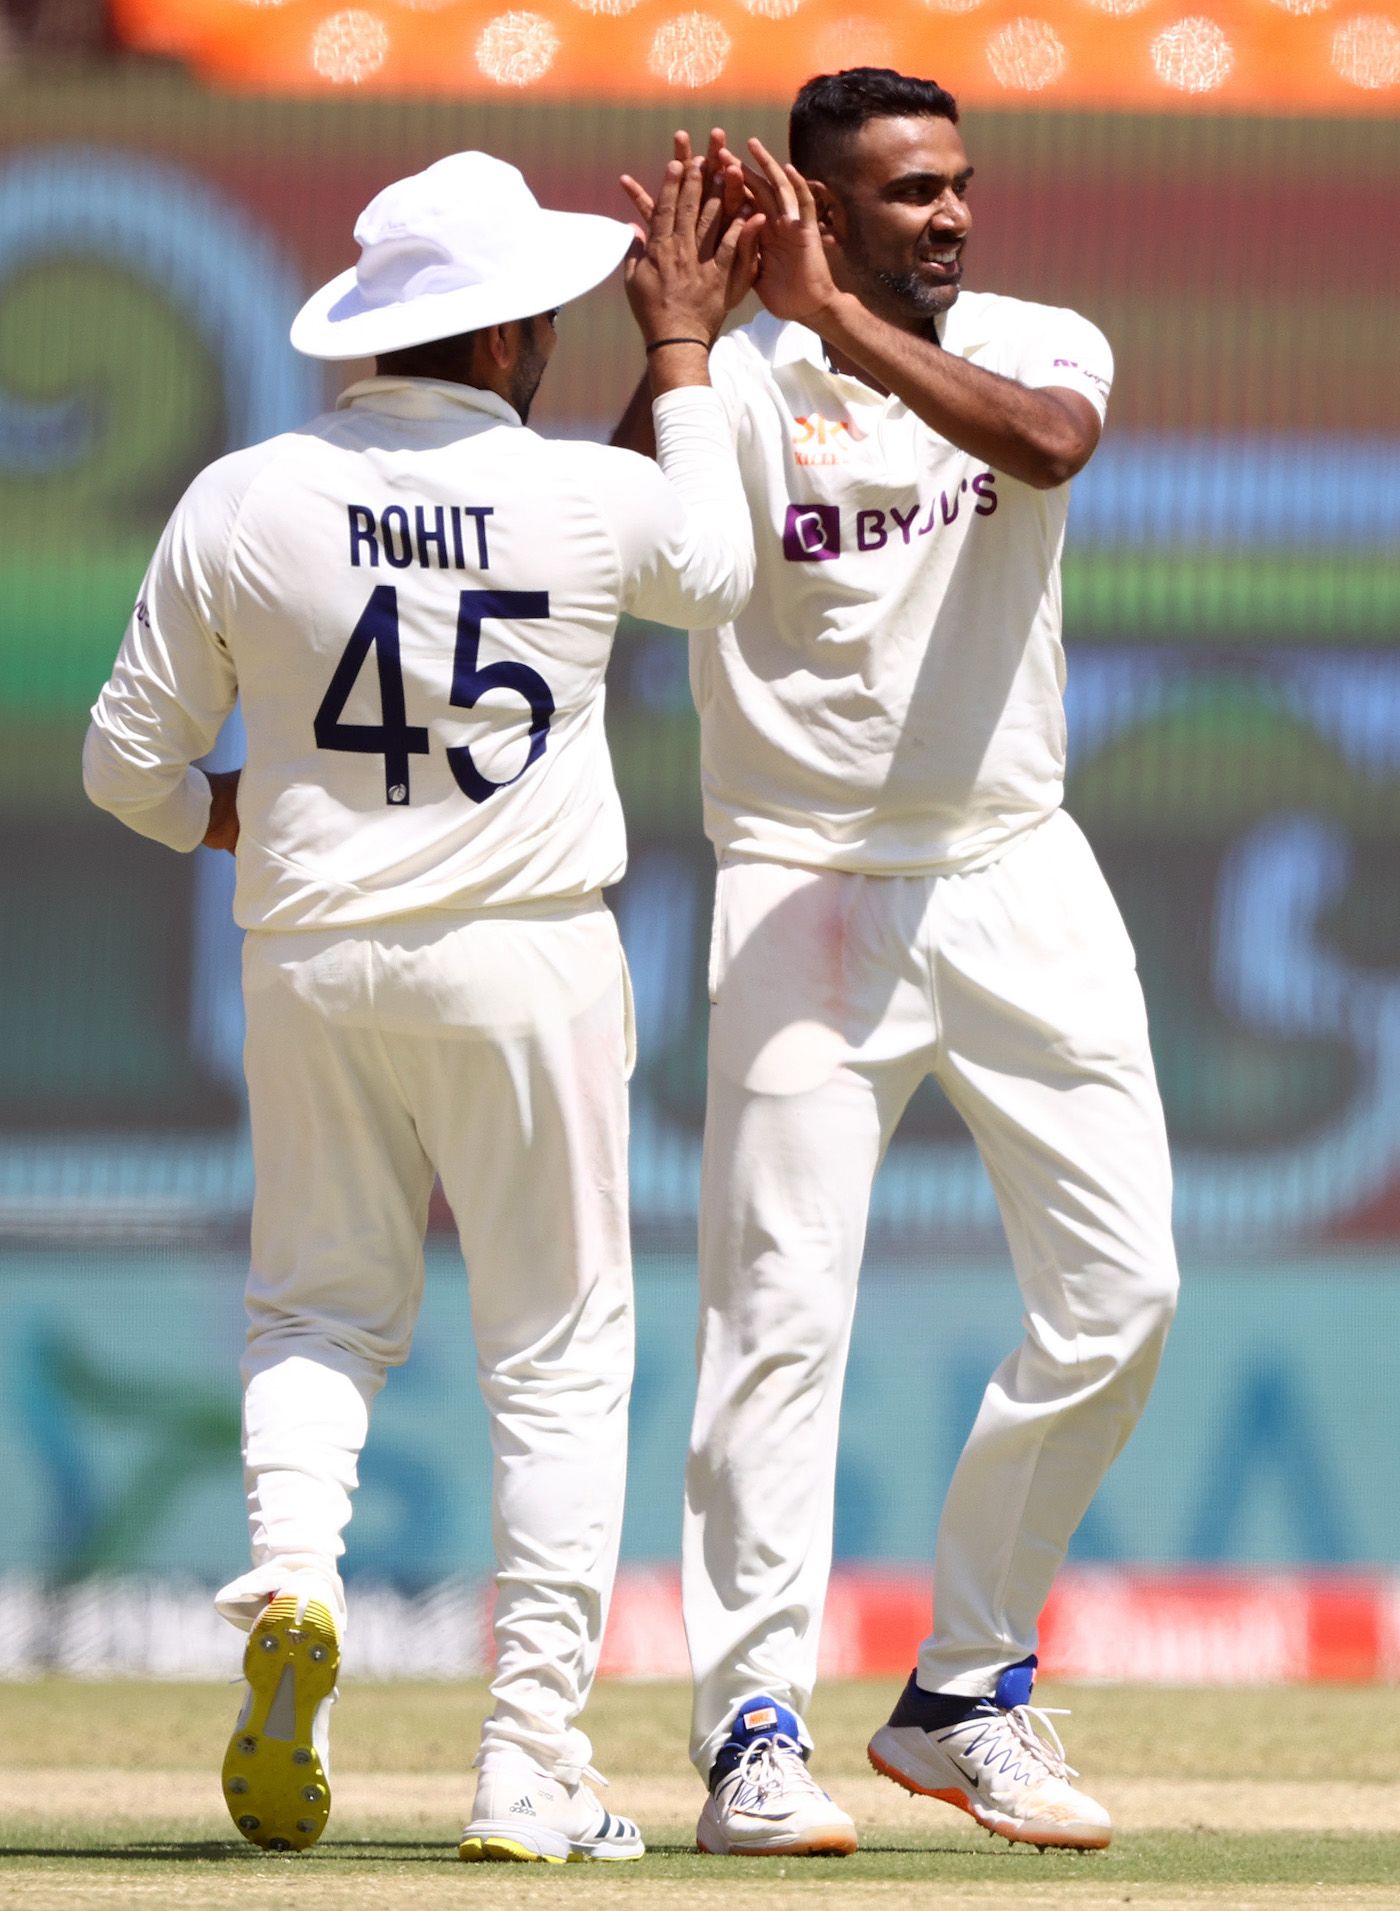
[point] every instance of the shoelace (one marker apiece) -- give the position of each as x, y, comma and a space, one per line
572, 1775
1044, 1745
762, 1766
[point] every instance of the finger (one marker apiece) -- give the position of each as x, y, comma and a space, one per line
680, 141
710, 226
688, 199
775, 176
735, 194
806, 203
744, 268
728, 246
640, 197
765, 197
663, 220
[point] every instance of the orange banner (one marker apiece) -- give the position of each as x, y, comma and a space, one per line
1278, 56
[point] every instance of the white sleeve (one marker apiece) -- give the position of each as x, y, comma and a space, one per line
1066, 350
171, 688
684, 535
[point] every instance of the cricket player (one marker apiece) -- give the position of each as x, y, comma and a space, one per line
415, 597
901, 894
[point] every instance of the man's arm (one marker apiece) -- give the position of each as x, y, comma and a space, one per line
684, 536
1040, 435
171, 688
222, 832
727, 209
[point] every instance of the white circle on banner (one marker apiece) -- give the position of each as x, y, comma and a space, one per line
348, 47
771, 9
856, 40
1194, 55
1028, 55
1303, 6
516, 49
1366, 51
608, 6
953, 6
690, 49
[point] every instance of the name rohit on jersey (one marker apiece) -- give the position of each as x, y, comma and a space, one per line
812, 533
438, 537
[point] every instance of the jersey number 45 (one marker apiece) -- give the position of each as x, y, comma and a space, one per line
394, 737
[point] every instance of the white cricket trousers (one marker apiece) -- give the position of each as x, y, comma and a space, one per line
494, 1048
833, 995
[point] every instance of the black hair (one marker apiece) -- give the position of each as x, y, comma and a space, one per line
834, 105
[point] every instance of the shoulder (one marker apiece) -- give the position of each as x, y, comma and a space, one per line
751, 351
221, 488
617, 491
583, 465
997, 318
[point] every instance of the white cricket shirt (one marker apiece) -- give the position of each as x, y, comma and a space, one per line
890, 700
415, 597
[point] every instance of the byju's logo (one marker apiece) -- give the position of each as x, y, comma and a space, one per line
812, 533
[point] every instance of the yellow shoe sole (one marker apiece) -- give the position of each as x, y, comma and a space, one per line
503, 1851
275, 1786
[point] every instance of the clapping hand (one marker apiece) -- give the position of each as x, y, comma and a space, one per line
794, 278
697, 246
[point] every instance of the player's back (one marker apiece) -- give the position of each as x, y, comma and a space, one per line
419, 598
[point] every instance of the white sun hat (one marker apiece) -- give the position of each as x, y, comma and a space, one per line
458, 246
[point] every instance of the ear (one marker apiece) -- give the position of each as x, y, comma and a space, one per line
502, 343
831, 214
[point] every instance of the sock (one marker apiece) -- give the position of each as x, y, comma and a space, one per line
757, 1718
934, 1711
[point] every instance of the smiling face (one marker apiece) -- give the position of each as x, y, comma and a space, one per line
896, 216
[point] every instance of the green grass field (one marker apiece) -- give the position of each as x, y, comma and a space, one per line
1280, 1797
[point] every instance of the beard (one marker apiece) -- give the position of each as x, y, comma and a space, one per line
915, 296
524, 384
529, 370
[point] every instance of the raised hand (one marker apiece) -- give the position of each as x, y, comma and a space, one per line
680, 273
723, 190
794, 278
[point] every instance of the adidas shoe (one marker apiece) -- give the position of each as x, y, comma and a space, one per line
992, 1763
276, 1774
522, 1816
763, 1801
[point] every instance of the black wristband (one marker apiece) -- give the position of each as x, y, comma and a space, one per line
657, 343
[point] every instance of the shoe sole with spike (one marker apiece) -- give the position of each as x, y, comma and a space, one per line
275, 1785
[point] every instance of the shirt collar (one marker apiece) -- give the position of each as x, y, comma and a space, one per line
962, 329
425, 398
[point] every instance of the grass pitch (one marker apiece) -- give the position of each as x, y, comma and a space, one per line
109, 1797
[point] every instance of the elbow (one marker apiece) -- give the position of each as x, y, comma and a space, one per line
96, 779
1062, 445
736, 591
1052, 473
1056, 463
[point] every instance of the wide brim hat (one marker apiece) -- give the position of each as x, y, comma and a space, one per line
459, 246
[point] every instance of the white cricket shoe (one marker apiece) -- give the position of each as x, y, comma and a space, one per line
765, 1803
276, 1773
996, 1766
523, 1816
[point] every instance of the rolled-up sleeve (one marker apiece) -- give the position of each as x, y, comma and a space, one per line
171, 688
683, 530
